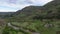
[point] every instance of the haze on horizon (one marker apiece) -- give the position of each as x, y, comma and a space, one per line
14, 5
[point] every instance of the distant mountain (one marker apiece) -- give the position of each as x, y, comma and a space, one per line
6, 14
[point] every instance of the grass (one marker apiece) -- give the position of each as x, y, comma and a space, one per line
37, 26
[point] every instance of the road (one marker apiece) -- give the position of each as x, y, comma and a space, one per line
19, 28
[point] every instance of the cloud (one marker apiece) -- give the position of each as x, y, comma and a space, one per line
19, 4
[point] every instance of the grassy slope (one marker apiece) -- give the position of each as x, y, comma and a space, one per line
23, 18
38, 26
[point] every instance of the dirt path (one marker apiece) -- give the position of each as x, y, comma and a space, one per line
20, 28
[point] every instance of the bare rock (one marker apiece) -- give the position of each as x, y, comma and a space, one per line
48, 25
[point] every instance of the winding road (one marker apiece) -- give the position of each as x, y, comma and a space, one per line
19, 28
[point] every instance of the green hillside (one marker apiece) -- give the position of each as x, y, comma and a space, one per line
35, 20
49, 11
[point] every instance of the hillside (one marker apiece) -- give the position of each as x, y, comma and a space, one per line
27, 13
35, 19
49, 11
53, 9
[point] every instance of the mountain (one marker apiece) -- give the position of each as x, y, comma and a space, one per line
28, 12
53, 9
49, 11
6, 14
35, 19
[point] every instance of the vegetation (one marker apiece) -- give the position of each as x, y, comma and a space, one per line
35, 19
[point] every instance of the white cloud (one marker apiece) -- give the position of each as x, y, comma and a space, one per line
16, 6
5, 10
40, 2
19, 4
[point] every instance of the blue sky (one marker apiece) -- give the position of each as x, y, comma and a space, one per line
14, 5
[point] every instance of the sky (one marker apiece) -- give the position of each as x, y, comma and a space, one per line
14, 5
